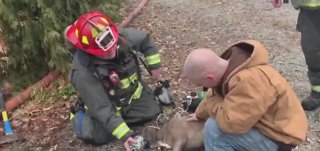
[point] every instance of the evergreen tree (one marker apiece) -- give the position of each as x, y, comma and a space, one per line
34, 33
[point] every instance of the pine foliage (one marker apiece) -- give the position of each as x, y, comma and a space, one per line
34, 33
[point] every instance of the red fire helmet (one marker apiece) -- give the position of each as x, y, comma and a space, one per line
94, 33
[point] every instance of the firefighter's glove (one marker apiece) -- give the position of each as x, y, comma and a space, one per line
162, 92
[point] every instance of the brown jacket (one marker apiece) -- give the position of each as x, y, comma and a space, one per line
253, 94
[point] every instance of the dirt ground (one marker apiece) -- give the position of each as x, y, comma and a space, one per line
177, 27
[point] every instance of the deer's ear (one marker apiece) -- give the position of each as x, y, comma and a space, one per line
164, 145
156, 147
162, 118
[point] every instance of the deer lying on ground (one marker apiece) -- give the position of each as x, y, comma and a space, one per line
178, 134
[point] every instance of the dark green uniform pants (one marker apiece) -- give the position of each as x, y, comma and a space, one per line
141, 111
309, 26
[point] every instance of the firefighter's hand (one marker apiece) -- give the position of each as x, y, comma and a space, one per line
128, 142
192, 118
276, 3
156, 74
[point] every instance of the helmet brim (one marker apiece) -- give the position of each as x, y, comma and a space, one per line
72, 37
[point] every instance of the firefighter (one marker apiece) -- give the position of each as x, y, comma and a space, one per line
309, 26
106, 74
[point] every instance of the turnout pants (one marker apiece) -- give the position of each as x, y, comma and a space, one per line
309, 26
142, 110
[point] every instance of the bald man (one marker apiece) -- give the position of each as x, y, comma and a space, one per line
249, 105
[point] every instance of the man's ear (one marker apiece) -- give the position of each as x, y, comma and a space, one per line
210, 76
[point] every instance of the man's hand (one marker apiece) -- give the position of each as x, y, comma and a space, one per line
276, 3
192, 118
128, 142
156, 74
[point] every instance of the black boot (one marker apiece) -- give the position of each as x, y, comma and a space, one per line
311, 102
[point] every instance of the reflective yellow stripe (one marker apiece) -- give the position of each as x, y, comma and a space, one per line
4, 116
133, 77
118, 114
137, 92
312, 4
77, 33
104, 20
94, 32
306, 3
101, 27
121, 130
316, 88
125, 83
85, 40
153, 59
71, 116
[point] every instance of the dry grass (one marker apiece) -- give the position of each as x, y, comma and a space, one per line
3, 46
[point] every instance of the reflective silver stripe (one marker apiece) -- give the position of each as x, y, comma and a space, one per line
121, 130
153, 59
316, 88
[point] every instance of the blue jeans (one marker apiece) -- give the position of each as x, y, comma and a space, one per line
215, 140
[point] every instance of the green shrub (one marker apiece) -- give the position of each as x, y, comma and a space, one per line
34, 33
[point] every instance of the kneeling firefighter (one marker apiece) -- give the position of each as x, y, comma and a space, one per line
107, 77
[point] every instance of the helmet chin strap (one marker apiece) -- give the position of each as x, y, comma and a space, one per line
117, 51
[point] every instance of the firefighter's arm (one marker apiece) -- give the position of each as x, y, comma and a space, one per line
99, 106
143, 42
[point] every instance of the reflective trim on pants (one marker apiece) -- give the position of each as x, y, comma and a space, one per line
121, 130
316, 88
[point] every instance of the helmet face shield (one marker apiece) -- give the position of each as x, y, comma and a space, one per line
105, 40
